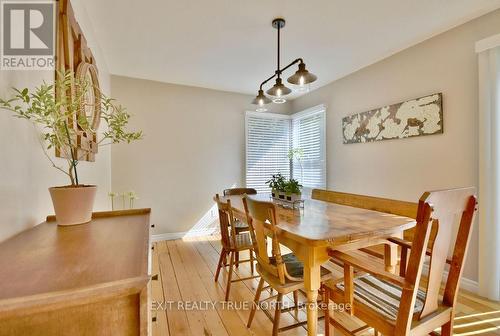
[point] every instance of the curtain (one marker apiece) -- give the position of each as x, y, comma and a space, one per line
489, 171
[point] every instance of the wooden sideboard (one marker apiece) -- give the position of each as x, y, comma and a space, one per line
89, 279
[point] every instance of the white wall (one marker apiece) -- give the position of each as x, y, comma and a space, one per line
194, 146
25, 173
404, 169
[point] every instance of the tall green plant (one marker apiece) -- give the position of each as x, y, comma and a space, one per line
297, 154
50, 115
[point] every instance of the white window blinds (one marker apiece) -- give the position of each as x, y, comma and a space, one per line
267, 146
308, 142
270, 137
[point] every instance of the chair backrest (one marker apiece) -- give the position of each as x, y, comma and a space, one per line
226, 221
259, 215
239, 191
441, 210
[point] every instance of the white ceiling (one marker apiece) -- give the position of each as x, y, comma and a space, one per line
230, 44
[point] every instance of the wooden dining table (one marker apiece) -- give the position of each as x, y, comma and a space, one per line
319, 226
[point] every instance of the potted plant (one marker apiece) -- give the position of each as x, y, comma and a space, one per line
277, 185
292, 190
50, 114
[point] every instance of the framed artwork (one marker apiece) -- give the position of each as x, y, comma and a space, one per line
74, 55
416, 117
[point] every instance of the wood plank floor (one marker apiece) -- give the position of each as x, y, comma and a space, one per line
187, 300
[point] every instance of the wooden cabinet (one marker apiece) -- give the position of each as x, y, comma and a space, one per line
89, 279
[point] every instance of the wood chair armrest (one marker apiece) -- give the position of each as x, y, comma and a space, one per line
369, 268
406, 244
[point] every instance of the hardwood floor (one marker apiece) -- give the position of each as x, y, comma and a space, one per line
187, 300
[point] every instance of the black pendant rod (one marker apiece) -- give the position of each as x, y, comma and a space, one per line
278, 72
278, 24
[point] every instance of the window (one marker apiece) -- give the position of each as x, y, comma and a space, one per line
269, 140
268, 143
308, 142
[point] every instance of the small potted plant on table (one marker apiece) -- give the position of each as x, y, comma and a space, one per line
277, 185
292, 190
50, 114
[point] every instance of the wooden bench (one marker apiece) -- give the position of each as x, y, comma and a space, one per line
395, 207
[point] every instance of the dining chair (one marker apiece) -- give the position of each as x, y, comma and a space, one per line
232, 243
395, 304
239, 191
283, 273
239, 225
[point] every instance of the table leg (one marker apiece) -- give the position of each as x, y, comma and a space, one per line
312, 283
391, 257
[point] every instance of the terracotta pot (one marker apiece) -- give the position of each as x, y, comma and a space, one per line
73, 205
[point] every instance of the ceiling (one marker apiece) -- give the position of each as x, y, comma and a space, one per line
230, 45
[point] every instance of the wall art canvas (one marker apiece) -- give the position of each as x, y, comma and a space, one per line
416, 117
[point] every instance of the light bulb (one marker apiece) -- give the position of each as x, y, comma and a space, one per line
261, 102
301, 81
279, 100
278, 92
261, 109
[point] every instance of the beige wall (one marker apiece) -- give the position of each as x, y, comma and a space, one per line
403, 169
194, 146
25, 173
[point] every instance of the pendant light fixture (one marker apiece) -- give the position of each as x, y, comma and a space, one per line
278, 91
261, 100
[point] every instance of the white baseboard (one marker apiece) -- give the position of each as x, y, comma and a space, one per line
179, 235
167, 236
467, 284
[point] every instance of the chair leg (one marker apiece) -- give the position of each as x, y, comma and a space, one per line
237, 259
229, 275
251, 261
277, 315
220, 264
375, 332
255, 302
447, 329
296, 299
326, 298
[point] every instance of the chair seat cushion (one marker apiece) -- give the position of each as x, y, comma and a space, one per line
381, 296
240, 226
294, 266
243, 241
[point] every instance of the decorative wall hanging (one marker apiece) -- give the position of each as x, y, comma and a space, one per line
74, 55
421, 116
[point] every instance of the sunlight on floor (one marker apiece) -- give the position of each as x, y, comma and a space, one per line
476, 315
477, 327
206, 225
478, 332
